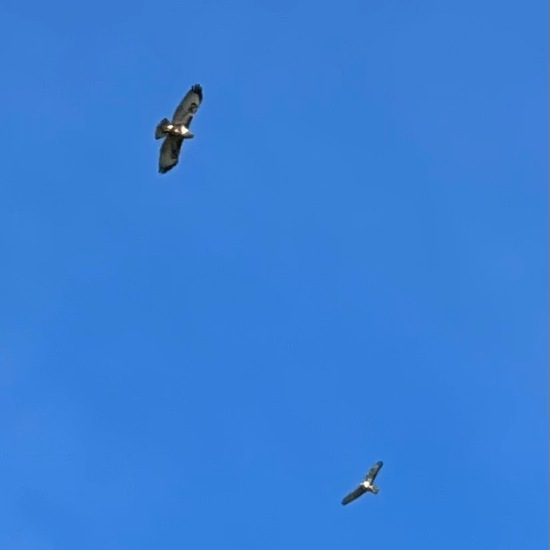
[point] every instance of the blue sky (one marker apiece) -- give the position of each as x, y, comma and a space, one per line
349, 264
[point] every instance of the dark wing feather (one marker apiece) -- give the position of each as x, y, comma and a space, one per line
356, 493
373, 472
188, 106
169, 153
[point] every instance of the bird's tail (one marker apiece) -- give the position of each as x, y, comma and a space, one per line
160, 130
374, 489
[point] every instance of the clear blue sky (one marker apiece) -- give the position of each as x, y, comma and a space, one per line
349, 264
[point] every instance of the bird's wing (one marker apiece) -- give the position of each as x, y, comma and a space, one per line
169, 153
356, 493
373, 472
188, 106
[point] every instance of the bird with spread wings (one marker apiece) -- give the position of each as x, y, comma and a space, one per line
366, 486
177, 130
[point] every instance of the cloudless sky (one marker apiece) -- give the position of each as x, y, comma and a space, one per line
349, 264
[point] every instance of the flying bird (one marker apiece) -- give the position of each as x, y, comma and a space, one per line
366, 486
175, 131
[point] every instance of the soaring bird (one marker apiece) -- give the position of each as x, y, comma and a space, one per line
366, 486
177, 130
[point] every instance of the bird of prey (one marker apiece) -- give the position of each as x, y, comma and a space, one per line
177, 130
366, 486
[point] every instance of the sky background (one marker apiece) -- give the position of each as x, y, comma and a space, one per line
349, 264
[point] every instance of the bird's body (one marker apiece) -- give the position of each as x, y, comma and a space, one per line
176, 130
366, 486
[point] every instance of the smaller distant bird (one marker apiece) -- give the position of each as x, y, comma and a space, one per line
176, 131
366, 486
